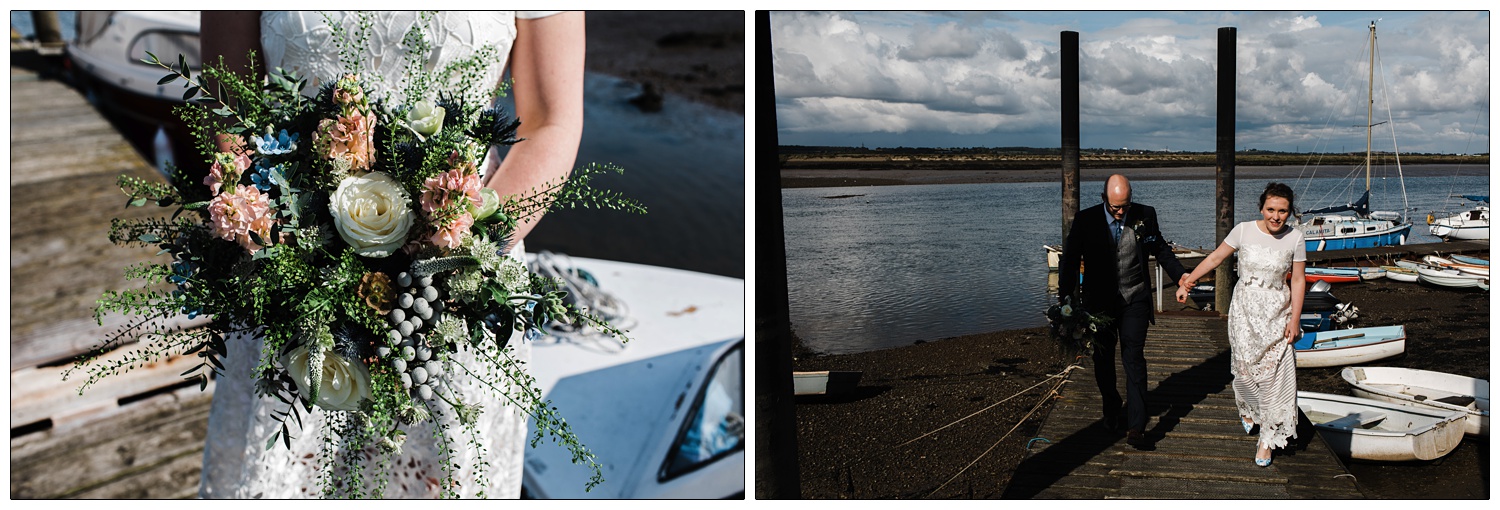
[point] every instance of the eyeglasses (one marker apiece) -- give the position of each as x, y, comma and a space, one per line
1116, 208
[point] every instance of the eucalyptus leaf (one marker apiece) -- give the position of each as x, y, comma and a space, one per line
167, 79
149, 238
139, 202
272, 443
191, 91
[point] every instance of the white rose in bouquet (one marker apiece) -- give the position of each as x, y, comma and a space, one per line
425, 119
372, 213
345, 382
1067, 311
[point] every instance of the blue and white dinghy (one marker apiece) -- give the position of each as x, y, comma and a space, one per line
1349, 346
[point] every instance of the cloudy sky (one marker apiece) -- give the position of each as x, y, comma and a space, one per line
886, 79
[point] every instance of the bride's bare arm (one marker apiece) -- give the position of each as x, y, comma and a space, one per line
546, 66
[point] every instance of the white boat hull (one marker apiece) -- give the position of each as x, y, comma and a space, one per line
1367, 429
1457, 281
824, 382
1464, 226
1423, 388
1352, 351
1401, 274
630, 403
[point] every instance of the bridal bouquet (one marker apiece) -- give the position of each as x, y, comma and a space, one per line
352, 234
1073, 328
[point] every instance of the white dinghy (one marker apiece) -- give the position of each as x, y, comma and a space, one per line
1367, 429
1400, 274
1451, 280
1424, 388
1349, 346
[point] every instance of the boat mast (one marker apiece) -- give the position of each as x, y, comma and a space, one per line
1370, 109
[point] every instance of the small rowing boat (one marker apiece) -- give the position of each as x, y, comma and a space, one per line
1426, 388
1400, 274
1470, 260
1452, 280
824, 382
1368, 429
1349, 346
1331, 274
1474, 269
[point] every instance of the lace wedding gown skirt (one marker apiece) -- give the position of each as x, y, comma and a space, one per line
1265, 372
236, 462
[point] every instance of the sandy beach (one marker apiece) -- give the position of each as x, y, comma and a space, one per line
847, 447
697, 55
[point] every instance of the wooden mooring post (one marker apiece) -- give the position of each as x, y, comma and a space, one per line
1224, 173
1070, 136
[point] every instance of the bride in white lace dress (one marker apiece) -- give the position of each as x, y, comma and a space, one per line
544, 52
1263, 316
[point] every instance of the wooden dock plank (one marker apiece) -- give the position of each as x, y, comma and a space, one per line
139, 435
1198, 449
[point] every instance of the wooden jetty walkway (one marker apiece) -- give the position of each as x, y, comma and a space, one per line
1198, 450
136, 436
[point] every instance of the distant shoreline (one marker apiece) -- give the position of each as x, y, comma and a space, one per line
828, 178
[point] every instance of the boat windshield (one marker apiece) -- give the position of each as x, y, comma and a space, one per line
716, 424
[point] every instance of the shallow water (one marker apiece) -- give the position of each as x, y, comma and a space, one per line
686, 164
892, 265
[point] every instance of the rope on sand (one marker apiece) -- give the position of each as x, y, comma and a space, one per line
1062, 374
1040, 402
1061, 377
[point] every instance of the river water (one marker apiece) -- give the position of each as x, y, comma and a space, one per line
892, 265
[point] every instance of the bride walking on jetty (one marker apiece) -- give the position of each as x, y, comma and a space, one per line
1263, 318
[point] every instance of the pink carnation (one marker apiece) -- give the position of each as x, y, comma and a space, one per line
446, 202
233, 215
444, 188
451, 234
349, 137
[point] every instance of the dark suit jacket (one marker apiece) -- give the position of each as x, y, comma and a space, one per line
1091, 241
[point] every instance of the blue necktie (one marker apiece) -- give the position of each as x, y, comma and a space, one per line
1114, 227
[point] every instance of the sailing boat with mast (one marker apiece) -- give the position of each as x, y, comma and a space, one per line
1324, 229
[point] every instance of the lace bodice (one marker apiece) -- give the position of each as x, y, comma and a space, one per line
488, 461
304, 41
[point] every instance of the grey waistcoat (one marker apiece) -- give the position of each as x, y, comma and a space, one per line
1132, 272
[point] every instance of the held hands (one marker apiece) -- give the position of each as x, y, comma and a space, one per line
1187, 281
1185, 284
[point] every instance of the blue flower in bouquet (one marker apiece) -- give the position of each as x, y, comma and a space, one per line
181, 271
261, 177
280, 143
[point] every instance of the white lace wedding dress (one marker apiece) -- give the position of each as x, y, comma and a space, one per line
236, 462
1265, 371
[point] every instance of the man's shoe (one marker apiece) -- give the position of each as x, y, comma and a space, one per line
1136, 438
1114, 423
